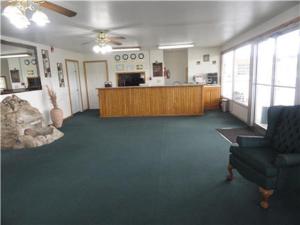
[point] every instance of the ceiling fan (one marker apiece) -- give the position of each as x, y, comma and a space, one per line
103, 38
18, 10
104, 42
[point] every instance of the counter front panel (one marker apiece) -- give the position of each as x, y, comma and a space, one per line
151, 101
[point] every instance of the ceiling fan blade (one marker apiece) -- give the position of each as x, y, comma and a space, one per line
58, 9
114, 42
117, 38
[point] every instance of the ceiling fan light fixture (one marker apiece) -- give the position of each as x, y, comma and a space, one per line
40, 18
102, 48
97, 49
16, 17
107, 48
21, 22
11, 11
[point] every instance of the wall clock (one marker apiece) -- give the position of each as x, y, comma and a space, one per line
27, 62
133, 56
125, 57
117, 58
33, 61
141, 56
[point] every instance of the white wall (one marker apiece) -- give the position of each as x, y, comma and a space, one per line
156, 56
130, 65
236, 109
196, 54
176, 61
40, 99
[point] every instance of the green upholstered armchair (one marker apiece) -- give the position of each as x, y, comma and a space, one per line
272, 161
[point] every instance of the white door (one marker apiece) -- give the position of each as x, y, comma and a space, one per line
73, 74
95, 77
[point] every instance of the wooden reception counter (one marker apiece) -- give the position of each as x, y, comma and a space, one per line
177, 100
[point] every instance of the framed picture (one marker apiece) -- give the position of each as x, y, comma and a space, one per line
214, 62
30, 73
15, 76
157, 69
129, 67
60, 74
206, 58
119, 67
139, 67
46, 63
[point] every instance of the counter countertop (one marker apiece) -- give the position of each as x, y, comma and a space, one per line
157, 86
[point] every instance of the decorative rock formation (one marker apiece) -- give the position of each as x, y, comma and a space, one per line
23, 126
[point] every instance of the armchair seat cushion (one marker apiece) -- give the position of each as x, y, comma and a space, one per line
260, 159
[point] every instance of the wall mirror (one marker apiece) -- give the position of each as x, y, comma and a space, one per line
19, 68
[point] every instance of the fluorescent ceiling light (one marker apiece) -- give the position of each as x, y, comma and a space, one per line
14, 55
126, 49
175, 46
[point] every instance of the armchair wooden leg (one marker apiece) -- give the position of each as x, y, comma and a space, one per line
230, 173
266, 194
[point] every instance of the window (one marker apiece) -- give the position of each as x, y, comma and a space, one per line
241, 74
227, 74
264, 74
276, 75
287, 47
236, 74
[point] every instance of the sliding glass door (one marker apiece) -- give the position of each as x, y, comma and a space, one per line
287, 47
276, 73
241, 76
264, 80
227, 74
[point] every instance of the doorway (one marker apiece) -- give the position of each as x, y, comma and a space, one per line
96, 73
73, 78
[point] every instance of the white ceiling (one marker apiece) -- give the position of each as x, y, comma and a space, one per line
149, 24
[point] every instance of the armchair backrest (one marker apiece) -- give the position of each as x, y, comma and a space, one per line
284, 128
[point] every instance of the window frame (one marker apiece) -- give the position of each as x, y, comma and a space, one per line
233, 72
287, 27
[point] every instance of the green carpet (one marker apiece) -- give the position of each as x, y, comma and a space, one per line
135, 171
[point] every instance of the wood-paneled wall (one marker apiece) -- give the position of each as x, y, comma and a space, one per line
212, 97
151, 101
